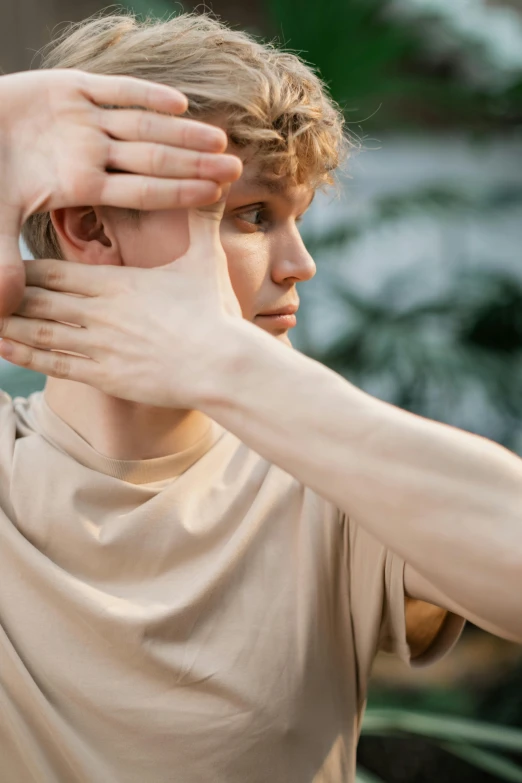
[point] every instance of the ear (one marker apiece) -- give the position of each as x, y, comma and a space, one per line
85, 235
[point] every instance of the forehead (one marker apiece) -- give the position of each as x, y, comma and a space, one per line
257, 178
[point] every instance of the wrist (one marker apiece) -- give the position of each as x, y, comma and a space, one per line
233, 346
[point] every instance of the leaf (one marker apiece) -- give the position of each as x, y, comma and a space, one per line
442, 727
501, 767
363, 776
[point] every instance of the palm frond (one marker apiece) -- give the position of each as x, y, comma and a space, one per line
442, 727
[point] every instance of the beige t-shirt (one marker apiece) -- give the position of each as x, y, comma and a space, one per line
200, 618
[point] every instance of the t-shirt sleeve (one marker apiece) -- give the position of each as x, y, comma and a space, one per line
377, 604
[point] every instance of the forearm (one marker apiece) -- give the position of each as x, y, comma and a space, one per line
448, 502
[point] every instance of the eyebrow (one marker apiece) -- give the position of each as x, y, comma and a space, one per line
273, 185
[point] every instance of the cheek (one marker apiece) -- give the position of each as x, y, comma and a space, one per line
158, 239
248, 269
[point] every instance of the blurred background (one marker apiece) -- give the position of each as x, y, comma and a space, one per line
418, 295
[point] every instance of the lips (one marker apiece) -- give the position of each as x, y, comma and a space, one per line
290, 309
280, 318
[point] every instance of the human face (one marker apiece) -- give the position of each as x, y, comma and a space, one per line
260, 235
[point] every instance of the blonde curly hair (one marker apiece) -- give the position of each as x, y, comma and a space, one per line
272, 102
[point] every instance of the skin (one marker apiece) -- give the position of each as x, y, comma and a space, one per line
266, 258
60, 148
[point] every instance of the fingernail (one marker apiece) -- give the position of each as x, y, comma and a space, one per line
6, 349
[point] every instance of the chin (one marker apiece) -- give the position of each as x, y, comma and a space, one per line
284, 338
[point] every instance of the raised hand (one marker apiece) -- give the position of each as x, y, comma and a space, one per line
148, 335
59, 147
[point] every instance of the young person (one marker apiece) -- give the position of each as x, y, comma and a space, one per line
57, 146
220, 533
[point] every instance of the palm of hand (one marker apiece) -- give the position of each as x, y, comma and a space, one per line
53, 153
59, 147
156, 336
53, 144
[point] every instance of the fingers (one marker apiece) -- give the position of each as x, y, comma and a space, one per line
44, 335
52, 306
134, 191
66, 276
132, 125
12, 274
159, 160
129, 91
57, 365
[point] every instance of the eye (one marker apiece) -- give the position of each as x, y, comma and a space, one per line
252, 216
255, 217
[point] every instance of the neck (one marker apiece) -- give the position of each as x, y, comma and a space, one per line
120, 429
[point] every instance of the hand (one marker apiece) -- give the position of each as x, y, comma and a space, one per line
153, 336
59, 147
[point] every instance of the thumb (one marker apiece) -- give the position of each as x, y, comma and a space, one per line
204, 222
12, 273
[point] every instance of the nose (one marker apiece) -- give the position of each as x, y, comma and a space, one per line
291, 260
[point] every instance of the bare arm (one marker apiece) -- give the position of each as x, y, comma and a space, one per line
449, 503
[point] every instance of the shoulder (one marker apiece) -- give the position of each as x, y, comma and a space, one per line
272, 495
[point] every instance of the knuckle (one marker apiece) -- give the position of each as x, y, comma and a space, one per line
53, 278
43, 336
201, 164
158, 160
176, 192
61, 366
145, 194
39, 306
26, 358
144, 129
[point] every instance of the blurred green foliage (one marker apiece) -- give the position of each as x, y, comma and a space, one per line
153, 8
429, 355
484, 746
377, 68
